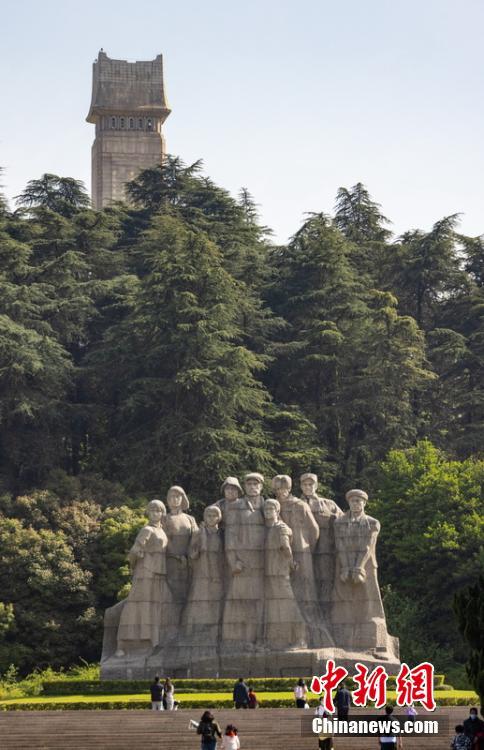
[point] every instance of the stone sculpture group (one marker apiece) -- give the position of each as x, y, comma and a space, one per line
263, 586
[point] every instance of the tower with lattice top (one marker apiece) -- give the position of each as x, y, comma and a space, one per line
128, 108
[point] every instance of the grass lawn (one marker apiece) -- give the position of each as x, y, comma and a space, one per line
202, 698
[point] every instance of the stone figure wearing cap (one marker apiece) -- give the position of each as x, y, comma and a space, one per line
305, 533
201, 618
230, 491
357, 614
284, 624
179, 527
324, 511
147, 615
244, 550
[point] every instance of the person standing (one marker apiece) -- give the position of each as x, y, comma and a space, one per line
343, 702
253, 702
241, 694
169, 695
300, 692
209, 731
156, 689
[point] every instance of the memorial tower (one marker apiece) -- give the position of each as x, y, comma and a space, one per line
128, 108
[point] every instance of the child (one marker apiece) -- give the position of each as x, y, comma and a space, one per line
460, 741
252, 699
411, 712
325, 741
230, 740
320, 709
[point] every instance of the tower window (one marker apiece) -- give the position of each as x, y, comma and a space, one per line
121, 122
131, 123
113, 122
140, 123
150, 124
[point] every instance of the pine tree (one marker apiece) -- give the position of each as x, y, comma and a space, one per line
64, 195
469, 609
424, 269
359, 218
35, 370
188, 406
344, 351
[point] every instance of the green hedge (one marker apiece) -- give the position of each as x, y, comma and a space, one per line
194, 706
131, 687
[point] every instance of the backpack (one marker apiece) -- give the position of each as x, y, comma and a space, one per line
207, 730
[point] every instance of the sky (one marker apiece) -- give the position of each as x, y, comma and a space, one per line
291, 100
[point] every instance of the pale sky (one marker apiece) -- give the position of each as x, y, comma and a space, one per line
289, 99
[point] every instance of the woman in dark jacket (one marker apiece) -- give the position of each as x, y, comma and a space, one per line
209, 730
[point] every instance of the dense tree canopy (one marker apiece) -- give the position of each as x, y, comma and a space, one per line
170, 340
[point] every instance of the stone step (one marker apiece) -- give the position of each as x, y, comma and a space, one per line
263, 729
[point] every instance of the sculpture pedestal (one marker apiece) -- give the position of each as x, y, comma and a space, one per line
199, 662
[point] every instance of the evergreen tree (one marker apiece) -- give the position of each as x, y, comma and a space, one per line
359, 218
183, 392
469, 609
64, 195
176, 189
344, 351
35, 370
461, 381
424, 269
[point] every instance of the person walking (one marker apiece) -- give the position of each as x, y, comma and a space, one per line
168, 695
230, 740
473, 724
460, 741
300, 692
209, 730
241, 694
343, 702
156, 690
325, 739
411, 712
390, 741
320, 709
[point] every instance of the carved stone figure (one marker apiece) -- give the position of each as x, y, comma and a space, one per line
284, 624
202, 616
358, 617
325, 512
244, 549
147, 614
253, 602
179, 527
305, 533
230, 491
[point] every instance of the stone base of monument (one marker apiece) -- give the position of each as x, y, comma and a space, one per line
204, 662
